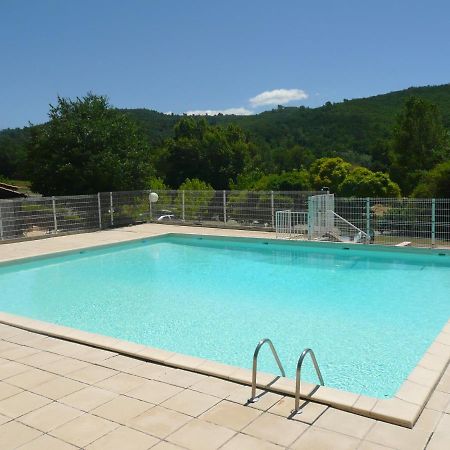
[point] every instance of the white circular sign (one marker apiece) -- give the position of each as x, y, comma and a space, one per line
153, 197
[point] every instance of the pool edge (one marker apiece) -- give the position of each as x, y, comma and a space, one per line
403, 409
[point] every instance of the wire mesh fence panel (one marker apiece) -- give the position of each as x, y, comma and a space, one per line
76, 213
442, 222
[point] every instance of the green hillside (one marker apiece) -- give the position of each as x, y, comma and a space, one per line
357, 130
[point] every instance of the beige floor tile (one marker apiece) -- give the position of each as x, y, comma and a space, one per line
344, 422
159, 421
154, 391
40, 360
438, 401
146, 370
123, 438
4, 419
92, 374
18, 352
121, 409
5, 345
10, 368
309, 412
318, 439
190, 402
397, 437
88, 398
50, 416
58, 387
121, 362
366, 445
276, 429
31, 378
83, 430
242, 441
94, 355
177, 377
428, 420
199, 435
22, 403
65, 365
46, 442
444, 424
216, 387
120, 383
163, 445
14, 434
439, 441
265, 400
231, 415
8, 390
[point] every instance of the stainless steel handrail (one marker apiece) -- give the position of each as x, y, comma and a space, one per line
298, 374
253, 398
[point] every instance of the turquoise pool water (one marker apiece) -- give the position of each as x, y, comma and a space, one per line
368, 315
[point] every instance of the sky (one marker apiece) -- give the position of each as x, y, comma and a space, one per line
245, 56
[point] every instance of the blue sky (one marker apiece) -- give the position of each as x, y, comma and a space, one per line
197, 55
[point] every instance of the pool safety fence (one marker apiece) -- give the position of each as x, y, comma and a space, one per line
291, 214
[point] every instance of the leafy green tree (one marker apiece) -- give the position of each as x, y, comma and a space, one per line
362, 182
210, 153
420, 141
87, 147
329, 172
197, 196
436, 183
295, 180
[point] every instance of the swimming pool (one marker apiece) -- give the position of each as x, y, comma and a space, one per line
369, 315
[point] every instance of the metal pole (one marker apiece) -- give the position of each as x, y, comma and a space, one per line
225, 206
310, 218
150, 212
272, 207
54, 214
182, 206
367, 220
99, 211
433, 222
1, 224
111, 211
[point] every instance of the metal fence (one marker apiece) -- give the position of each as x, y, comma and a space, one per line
421, 222
41, 216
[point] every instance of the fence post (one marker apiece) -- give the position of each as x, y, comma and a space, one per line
1, 224
272, 207
111, 211
433, 222
224, 206
99, 211
368, 220
182, 206
55, 223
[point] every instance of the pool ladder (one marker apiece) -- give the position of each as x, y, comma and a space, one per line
307, 351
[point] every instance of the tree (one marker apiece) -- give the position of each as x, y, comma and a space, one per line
87, 147
420, 141
362, 182
436, 183
296, 180
210, 153
329, 172
197, 195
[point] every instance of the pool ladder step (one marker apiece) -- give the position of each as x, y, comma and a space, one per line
307, 351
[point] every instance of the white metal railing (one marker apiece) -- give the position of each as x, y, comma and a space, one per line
291, 224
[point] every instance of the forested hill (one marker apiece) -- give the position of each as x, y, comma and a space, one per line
358, 130
353, 129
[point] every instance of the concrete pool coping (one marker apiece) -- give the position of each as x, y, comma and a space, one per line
402, 409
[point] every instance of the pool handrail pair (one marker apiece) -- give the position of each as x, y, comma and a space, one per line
307, 351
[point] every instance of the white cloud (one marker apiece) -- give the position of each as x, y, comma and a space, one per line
278, 97
214, 112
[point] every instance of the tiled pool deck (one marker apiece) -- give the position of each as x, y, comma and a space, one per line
60, 394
